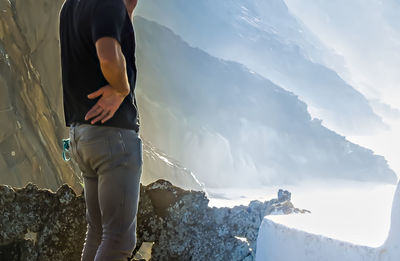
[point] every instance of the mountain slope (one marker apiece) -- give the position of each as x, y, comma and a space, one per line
30, 112
233, 127
265, 37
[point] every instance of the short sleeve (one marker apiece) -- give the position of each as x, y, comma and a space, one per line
108, 20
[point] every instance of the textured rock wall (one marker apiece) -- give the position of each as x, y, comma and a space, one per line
31, 116
41, 225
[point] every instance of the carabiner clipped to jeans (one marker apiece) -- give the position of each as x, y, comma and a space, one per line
66, 146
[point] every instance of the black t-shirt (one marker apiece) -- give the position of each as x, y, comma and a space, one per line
82, 23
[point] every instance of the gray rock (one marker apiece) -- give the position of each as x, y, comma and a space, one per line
183, 227
38, 224
284, 195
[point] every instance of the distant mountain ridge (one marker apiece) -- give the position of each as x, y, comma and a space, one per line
268, 39
231, 126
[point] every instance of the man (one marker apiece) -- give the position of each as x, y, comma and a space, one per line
99, 75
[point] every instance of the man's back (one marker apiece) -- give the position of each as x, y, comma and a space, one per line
81, 25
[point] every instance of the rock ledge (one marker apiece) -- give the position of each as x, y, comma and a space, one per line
37, 224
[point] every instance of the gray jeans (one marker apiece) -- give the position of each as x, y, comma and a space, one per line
111, 163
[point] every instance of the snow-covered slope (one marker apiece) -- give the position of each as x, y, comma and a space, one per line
265, 37
277, 242
231, 126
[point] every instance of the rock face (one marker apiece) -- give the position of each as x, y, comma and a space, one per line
41, 225
31, 115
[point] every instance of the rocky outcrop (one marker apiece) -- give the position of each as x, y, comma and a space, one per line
38, 224
183, 227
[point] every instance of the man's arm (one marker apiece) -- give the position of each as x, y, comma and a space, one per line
107, 24
112, 63
113, 67
130, 6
